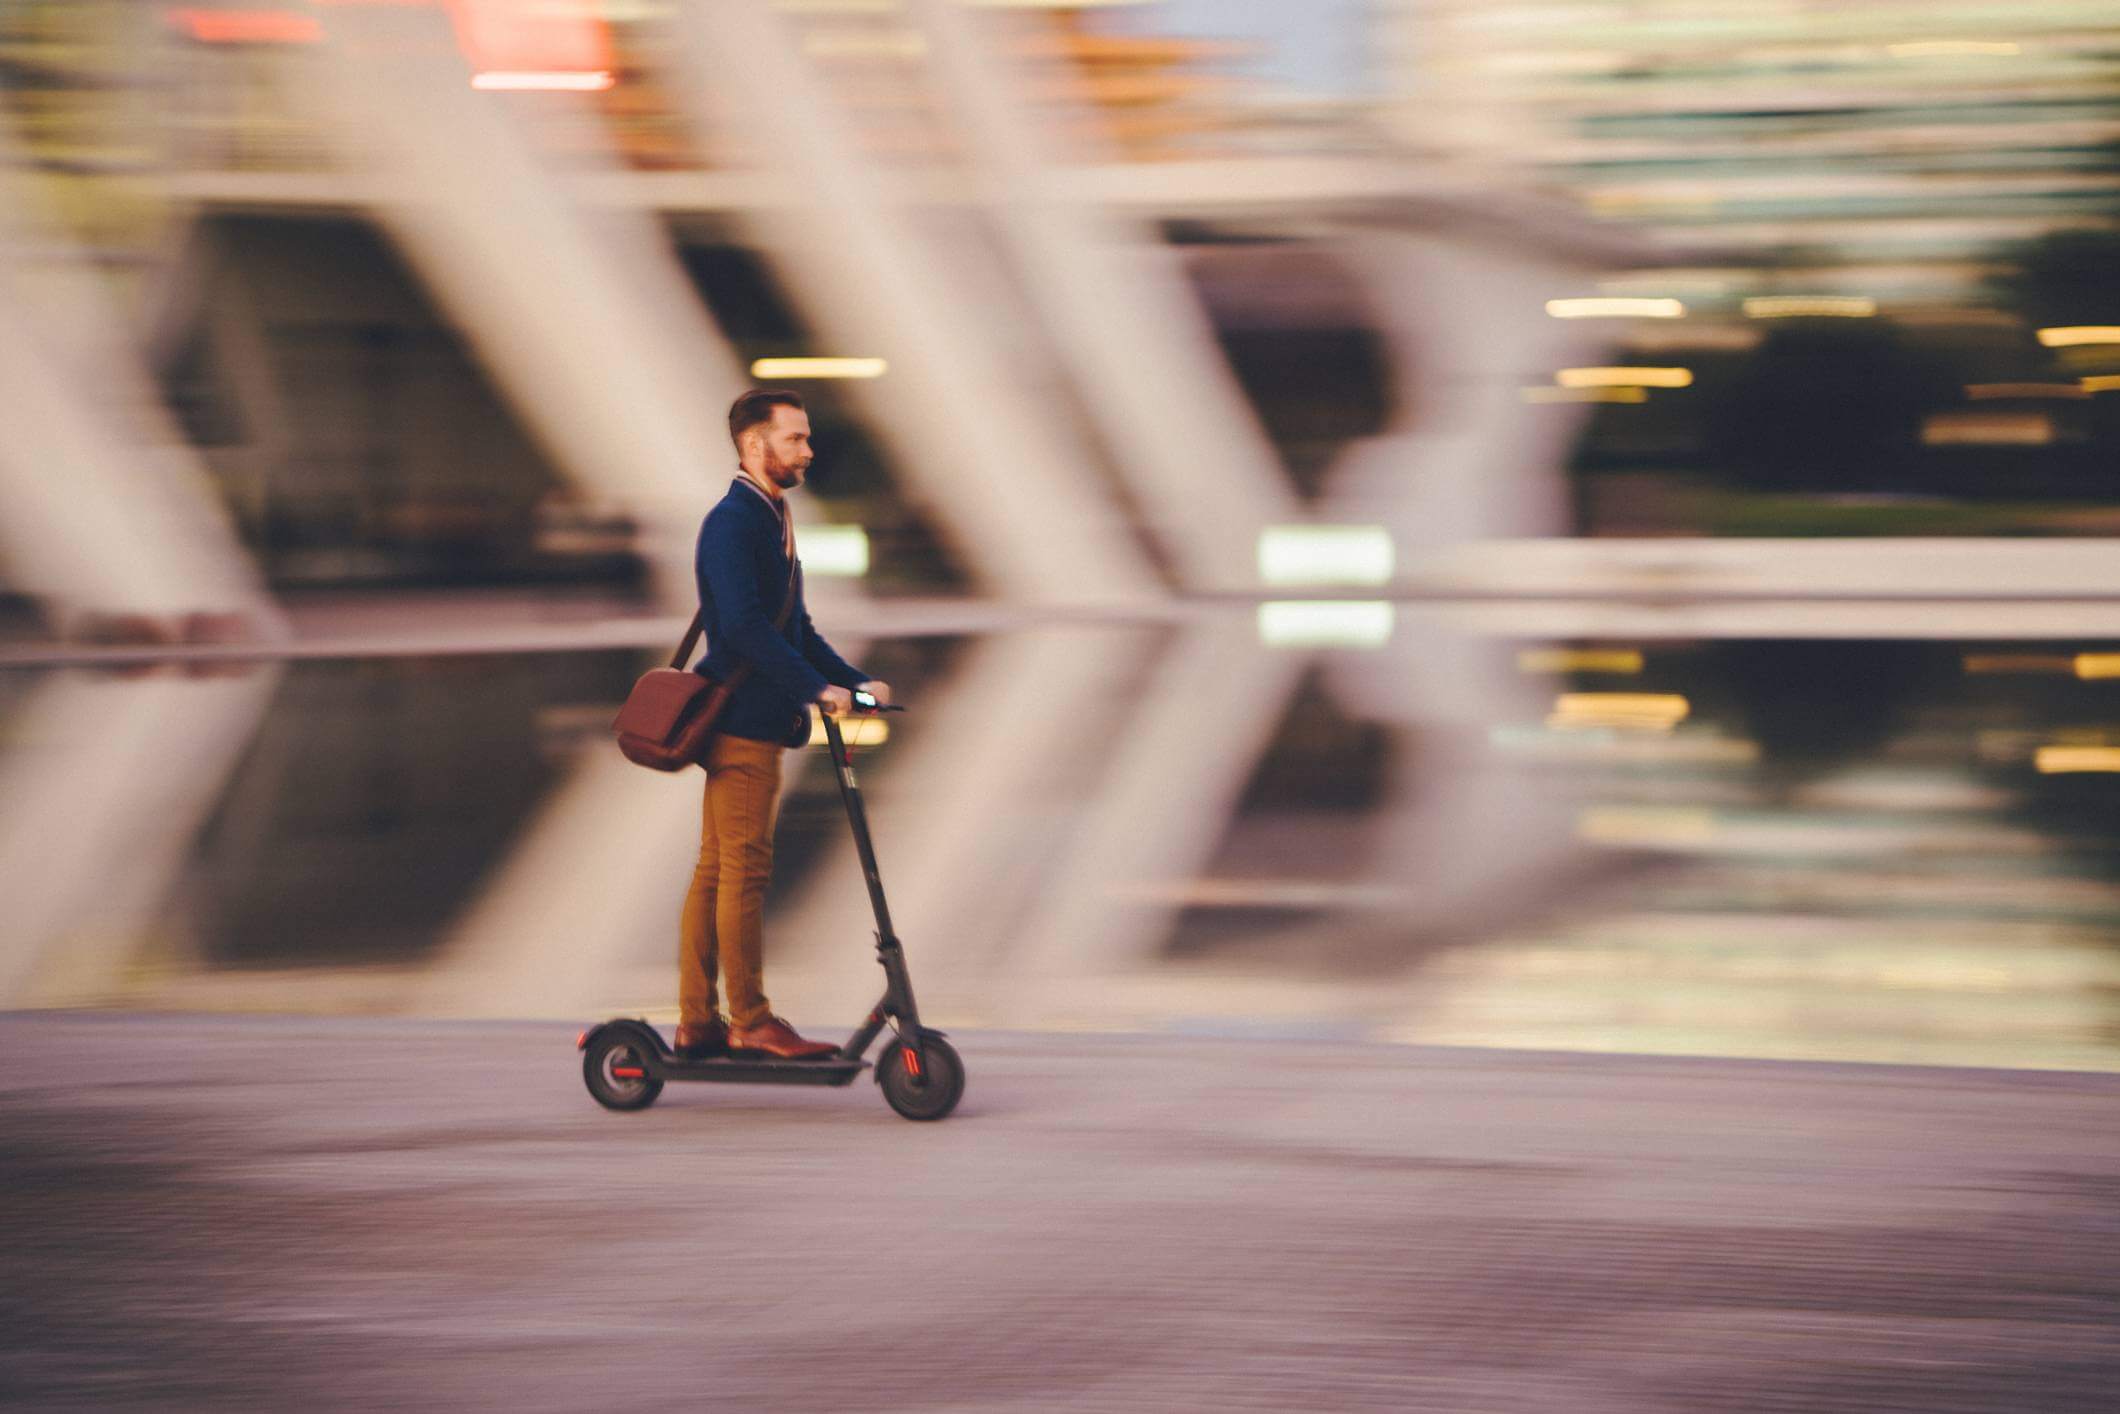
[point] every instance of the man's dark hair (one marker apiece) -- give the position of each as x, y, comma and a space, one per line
756, 407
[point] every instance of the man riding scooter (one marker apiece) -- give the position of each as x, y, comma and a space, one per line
750, 590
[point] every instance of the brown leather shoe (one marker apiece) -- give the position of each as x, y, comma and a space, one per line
700, 1041
775, 1037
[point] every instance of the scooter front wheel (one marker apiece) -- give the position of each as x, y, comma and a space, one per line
617, 1073
921, 1085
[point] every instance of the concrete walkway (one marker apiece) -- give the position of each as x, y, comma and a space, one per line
337, 1214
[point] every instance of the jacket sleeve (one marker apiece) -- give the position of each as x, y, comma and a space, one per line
728, 570
837, 670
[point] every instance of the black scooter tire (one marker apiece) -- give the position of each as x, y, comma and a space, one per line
927, 1097
618, 1050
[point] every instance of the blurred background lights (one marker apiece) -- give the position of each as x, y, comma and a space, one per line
1810, 307
1325, 623
547, 81
1616, 307
232, 26
1317, 555
1618, 377
835, 551
819, 368
1626, 661
516, 46
2072, 760
1633, 711
2068, 336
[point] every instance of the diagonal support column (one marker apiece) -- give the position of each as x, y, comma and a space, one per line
1467, 830
1161, 804
1128, 327
586, 321
1139, 348
105, 508
1017, 495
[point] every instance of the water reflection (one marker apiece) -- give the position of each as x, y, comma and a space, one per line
1858, 849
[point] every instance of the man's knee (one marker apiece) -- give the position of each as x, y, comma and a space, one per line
750, 860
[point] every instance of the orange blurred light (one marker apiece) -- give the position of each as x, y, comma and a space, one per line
530, 44
1579, 660
523, 44
2071, 760
246, 26
1626, 377
2069, 336
1639, 711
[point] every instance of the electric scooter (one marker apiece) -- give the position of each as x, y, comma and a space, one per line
626, 1063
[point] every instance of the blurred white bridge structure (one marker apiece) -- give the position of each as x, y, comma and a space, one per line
1057, 405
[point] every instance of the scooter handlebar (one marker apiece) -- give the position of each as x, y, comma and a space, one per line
865, 703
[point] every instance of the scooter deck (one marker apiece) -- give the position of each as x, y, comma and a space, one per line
756, 1070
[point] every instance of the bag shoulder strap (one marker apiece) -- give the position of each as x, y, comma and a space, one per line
699, 617
684, 648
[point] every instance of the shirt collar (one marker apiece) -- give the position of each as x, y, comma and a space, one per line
744, 478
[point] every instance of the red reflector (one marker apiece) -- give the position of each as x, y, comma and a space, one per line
628, 1072
912, 1062
581, 1042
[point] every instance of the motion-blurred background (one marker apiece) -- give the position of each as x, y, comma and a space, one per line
1563, 524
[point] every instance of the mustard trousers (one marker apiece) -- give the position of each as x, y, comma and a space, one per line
724, 915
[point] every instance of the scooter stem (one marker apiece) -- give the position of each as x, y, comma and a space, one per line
858, 819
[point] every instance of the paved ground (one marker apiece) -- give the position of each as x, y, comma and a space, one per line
281, 1214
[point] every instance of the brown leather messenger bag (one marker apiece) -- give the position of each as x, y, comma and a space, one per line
669, 717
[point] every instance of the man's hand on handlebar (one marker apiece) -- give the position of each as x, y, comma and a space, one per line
869, 697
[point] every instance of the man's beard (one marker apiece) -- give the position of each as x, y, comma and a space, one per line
786, 475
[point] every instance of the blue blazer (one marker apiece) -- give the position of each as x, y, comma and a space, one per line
742, 567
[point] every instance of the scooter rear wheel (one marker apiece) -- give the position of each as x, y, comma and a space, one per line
616, 1073
930, 1094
